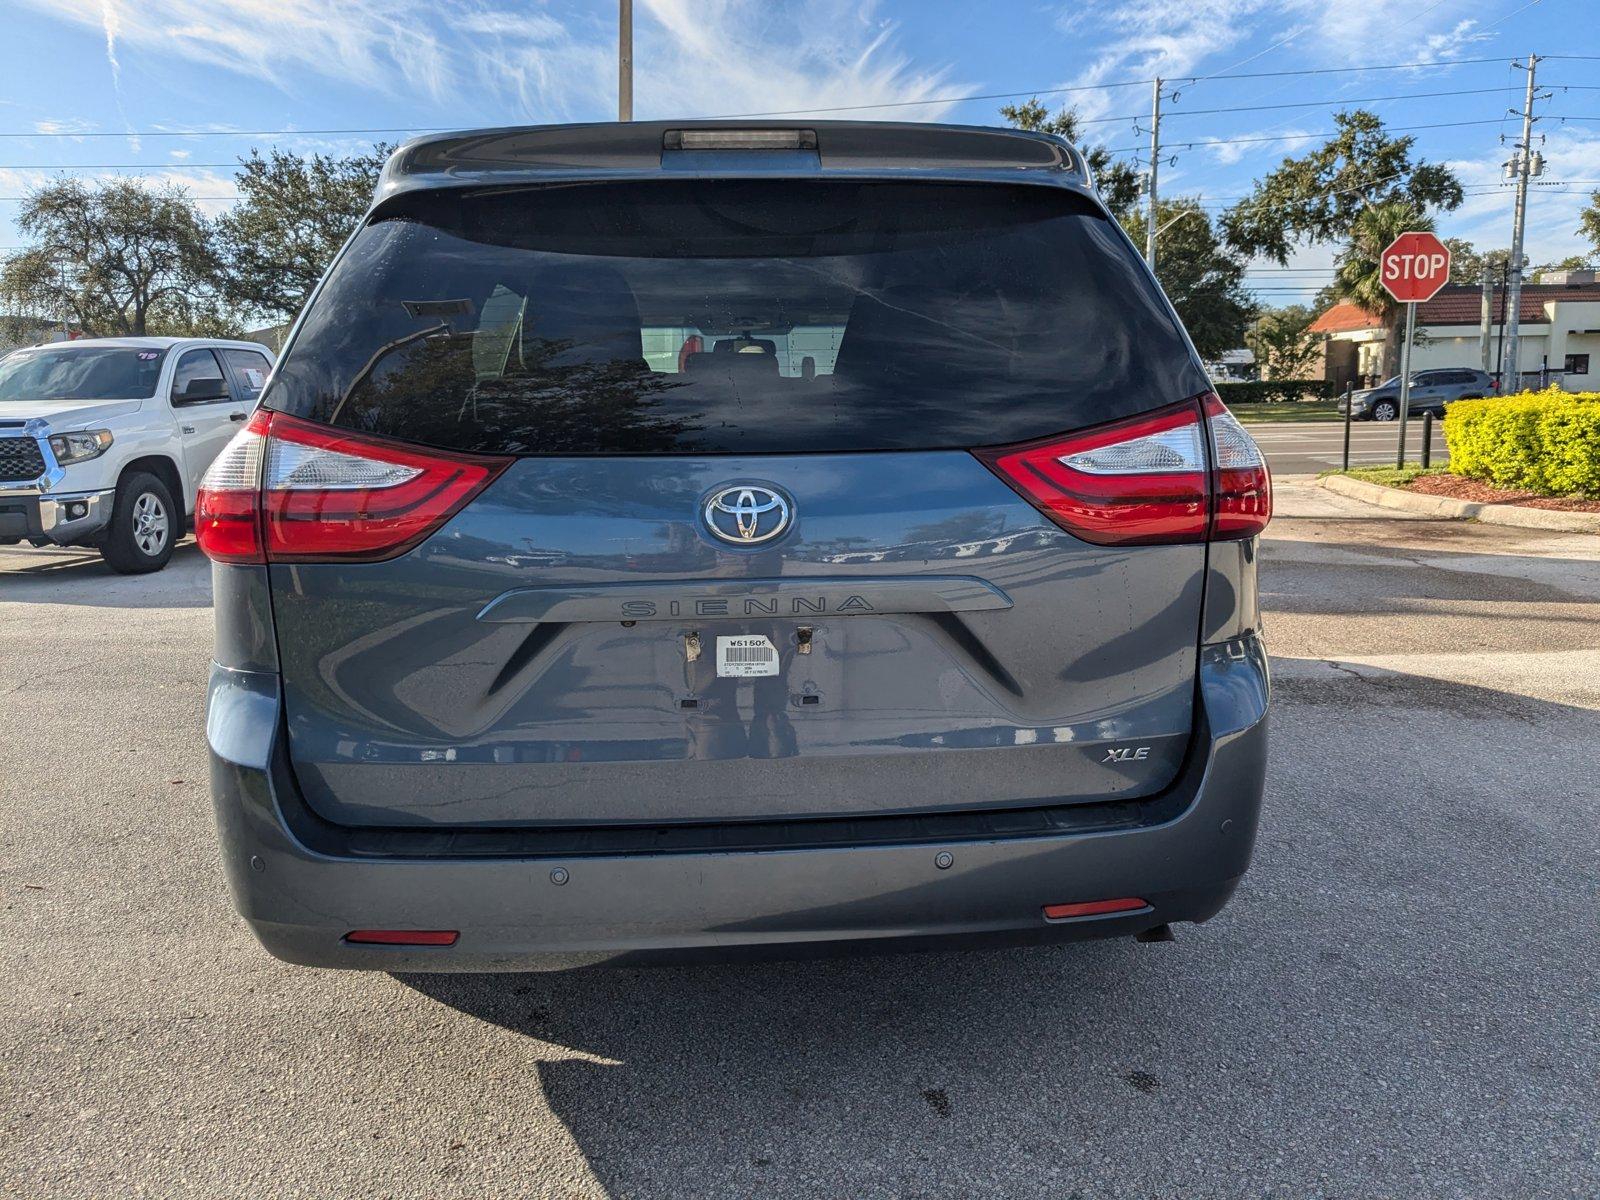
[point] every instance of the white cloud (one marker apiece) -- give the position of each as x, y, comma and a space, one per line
1346, 32
1230, 149
381, 43
692, 58
65, 126
212, 191
1553, 208
1453, 42
1169, 38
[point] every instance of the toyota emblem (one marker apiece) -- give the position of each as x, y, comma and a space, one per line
747, 514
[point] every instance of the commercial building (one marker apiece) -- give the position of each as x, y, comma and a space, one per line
1559, 322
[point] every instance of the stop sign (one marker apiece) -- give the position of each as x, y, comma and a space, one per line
1414, 267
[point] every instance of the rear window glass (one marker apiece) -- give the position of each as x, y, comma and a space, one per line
694, 316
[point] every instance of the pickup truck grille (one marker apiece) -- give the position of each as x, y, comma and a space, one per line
20, 458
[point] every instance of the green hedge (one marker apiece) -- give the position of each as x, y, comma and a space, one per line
1545, 441
1276, 391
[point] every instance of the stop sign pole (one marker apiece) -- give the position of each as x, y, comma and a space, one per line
1412, 269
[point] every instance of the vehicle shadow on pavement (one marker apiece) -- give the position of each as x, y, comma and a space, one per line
71, 575
1414, 939
856, 1075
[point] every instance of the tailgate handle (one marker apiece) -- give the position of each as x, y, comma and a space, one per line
744, 599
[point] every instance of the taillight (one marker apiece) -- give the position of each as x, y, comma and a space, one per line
1130, 483
227, 510
1145, 480
1241, 488
320, 493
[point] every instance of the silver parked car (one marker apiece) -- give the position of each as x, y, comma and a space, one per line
714, 538
1430, 392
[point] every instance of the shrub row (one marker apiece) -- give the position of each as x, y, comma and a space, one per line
1545, 441
1276, 391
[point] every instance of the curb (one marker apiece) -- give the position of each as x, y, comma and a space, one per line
1444, 506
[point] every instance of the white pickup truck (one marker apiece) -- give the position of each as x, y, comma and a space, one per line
103, 441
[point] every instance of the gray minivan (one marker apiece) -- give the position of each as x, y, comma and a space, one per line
705, 537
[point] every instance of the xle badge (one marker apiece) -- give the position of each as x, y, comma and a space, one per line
1127, 754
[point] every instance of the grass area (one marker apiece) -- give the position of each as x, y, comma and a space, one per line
1300, 410
1389, 476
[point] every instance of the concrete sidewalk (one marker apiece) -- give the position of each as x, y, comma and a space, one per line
1520, 516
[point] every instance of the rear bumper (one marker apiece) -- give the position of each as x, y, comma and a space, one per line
302, 884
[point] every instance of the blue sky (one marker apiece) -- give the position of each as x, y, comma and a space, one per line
107, 75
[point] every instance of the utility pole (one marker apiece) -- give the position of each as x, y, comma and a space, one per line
624, 60
1486, 314
1523, 162
1155, 165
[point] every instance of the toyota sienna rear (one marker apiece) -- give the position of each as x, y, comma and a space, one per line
684, 538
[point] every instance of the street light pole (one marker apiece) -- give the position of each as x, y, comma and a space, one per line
624, 60
1524, 164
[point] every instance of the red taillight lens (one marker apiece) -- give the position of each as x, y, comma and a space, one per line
333, 494
1146, 480
1130, 483
306, 492
227, 508
1241, 486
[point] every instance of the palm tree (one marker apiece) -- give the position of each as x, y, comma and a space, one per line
1357, 279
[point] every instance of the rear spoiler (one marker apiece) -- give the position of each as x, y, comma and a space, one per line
634, 149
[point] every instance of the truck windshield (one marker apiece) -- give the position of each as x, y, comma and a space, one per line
80, 373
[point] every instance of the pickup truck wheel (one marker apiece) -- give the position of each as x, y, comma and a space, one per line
143, 528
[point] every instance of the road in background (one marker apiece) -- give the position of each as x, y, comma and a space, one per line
1401, 1000
1311, 447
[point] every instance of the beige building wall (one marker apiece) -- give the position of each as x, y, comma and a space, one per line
1569, 328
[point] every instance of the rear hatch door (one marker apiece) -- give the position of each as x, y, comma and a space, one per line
738, 561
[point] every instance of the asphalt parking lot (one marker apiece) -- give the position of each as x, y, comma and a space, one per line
1310, 447
1401, 1000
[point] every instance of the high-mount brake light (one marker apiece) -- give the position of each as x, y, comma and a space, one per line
287, 490
1180, 474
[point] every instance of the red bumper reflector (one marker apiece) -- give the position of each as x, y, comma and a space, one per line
403, 937
1093, 908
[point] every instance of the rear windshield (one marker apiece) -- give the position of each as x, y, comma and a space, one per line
719, 316
80, 373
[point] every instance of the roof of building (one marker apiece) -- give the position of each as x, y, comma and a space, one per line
1459, 304
1344, 317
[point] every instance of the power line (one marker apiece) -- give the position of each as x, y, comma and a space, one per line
1198, 112
1193, 112
1411, 66
792, 112
1290, 137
